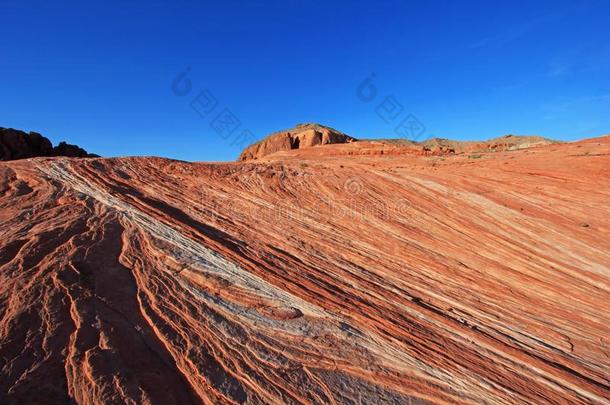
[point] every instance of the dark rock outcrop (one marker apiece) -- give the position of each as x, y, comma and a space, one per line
16, 144
66, 149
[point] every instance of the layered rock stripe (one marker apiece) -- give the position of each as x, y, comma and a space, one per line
332, 274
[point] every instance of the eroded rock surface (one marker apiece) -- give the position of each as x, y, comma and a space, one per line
309, 135
301, 136
501, 144
316, 276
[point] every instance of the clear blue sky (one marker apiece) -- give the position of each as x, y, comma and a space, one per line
99, 73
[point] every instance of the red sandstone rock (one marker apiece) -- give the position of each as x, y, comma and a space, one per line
308, 135
505, 143
302, 136
335, 274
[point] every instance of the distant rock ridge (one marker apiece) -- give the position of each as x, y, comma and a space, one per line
16, 144
301, 136
500, 144
311, 134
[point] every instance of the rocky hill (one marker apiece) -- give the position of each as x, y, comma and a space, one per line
310, 135
15, 144
301, 136
334, 274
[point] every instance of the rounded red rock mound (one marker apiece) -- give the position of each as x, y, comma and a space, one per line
302, 136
